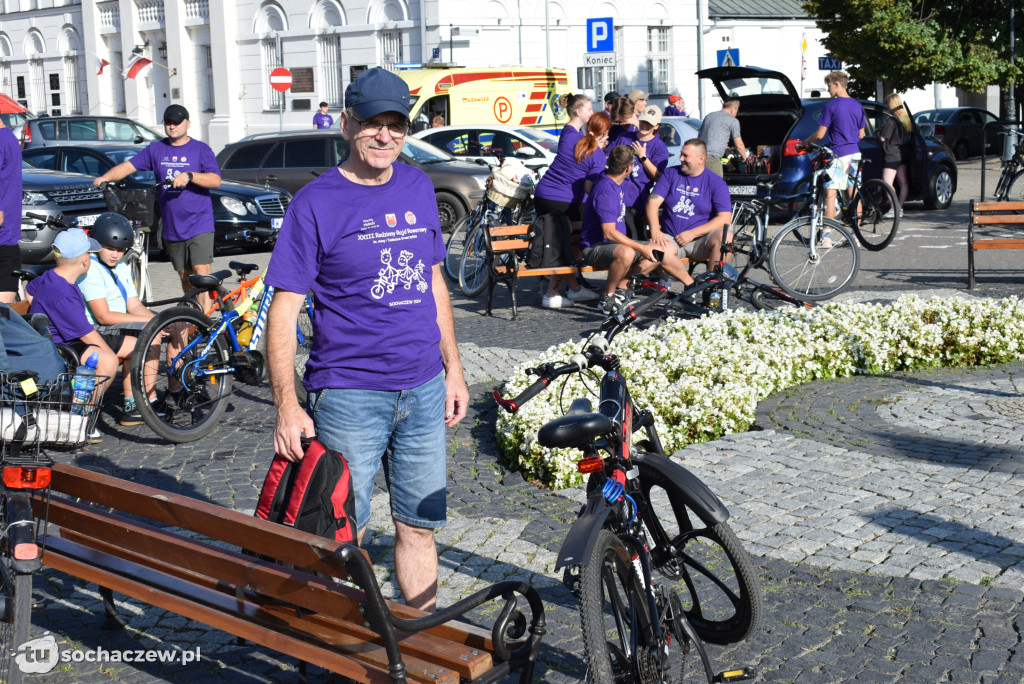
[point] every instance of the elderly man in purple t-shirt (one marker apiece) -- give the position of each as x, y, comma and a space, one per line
384, 376
186, 211
842, 120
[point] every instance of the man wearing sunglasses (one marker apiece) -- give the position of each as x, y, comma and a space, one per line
186, 211
383, 377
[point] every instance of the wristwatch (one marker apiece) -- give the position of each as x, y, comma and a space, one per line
189, 176
643, 159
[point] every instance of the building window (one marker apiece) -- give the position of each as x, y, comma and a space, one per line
329, 59
658, 59
272, 99
391, 48
205, 59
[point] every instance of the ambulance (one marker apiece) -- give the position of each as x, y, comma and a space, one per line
515, 95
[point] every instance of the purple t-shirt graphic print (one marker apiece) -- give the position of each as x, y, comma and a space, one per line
691, 201
367, 252
188, 211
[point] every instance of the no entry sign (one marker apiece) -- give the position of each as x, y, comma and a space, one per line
280, 79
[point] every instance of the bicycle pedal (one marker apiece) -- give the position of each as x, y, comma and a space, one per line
737, 675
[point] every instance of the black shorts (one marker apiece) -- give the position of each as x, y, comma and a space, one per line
573, 210
113, 340
10, 259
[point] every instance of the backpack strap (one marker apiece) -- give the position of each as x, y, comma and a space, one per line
117, 281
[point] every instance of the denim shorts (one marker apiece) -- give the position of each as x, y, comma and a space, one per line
405, 430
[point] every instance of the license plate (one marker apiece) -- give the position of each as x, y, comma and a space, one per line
87, 220
276, 223
742, 190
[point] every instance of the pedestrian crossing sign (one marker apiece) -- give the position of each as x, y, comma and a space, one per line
730, 57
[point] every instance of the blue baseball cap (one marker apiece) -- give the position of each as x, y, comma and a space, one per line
376, 91
73, 242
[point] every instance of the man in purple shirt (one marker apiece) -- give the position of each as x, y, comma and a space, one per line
697, 204
186, 212
843, 122
322, 119
384, 376
10, 213
604, 241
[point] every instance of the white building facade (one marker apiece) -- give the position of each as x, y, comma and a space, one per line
215, 56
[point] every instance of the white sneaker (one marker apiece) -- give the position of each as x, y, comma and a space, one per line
666, 283
826, 243
901, 212
95, 437
889, 214
555, 302
582, 295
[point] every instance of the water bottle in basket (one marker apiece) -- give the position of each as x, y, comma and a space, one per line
83, 384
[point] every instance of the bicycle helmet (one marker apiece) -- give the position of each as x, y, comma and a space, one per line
113, 230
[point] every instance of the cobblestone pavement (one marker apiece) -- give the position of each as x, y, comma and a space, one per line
883, 515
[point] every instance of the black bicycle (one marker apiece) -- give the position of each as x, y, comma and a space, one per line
644, 513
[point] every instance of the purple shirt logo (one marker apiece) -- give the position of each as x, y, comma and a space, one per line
389, 278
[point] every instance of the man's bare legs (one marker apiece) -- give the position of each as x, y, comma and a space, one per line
415, 564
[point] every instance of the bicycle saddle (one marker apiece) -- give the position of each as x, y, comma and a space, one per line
574, 430
28, 274
242, 269
767, 178
208, 281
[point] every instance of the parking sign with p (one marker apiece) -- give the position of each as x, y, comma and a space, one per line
600, 35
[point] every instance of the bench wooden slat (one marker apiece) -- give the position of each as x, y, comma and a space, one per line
997, 219
505, 231
509, 245
217, 609
998, 243
224, 570
997, 206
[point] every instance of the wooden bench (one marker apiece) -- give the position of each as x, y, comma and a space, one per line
992, 214
176, 560
507, 247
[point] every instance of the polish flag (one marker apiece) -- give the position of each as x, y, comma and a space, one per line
136, 64
100, 63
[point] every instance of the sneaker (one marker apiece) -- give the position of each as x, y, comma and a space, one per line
665, 283
131, 417
889, 214
582, 295
95, 437
610, 304
901, 212
555, 302
826, 243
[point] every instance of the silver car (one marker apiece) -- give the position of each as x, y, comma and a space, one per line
532, 146
674, 131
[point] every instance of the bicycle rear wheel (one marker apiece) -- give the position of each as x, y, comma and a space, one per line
1015, 192
190, 404
827, 273
766, 298
304, 343
711, 571
876, 214
16, 608
745, 228
457, 244
473, 264
613, 613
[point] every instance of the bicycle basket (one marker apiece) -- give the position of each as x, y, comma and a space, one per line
135, 204
46, 415
510, 185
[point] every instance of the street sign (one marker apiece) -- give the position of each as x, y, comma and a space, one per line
601, 35
830, 63
435, 53
280, 79
730, 57
598, 59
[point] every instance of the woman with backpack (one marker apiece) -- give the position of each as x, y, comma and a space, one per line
564, 187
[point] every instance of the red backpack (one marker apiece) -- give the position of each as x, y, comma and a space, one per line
313, 495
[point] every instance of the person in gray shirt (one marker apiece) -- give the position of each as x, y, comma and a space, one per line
718, 130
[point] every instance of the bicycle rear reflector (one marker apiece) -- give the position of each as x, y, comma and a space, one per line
26, 551
593, 464
27, 477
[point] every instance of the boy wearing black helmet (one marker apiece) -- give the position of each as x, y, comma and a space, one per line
112, 302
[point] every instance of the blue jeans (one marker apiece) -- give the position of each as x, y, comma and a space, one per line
405, 430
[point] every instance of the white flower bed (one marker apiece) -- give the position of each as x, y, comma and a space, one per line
703, 378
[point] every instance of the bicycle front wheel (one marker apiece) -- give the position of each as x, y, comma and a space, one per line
746, 227
304, 343
176, 361
1016, 191
457, 244
876, 215
613, 613
473, 264
16, 612
818, 276
712, 572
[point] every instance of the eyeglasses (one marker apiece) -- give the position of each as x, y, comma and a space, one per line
397, 129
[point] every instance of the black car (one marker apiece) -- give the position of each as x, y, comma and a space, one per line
773, 120
54, 193
237, 206
962, 129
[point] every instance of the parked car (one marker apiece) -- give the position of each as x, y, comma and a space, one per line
290, 160
961, 129
774, 120
237, 206
54, 193
535, 148
674, 131
71, 130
